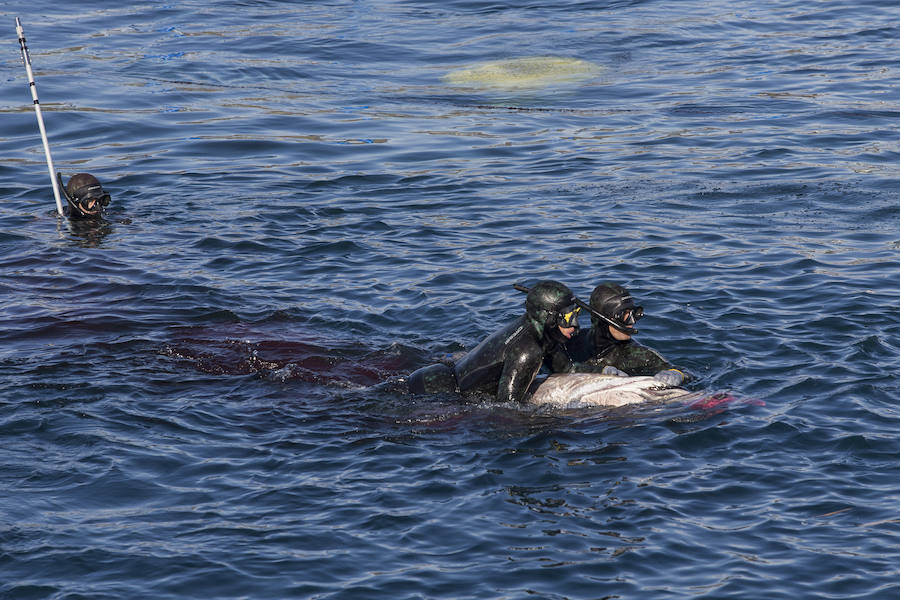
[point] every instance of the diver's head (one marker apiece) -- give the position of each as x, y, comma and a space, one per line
551, 308
85, 195
617, 306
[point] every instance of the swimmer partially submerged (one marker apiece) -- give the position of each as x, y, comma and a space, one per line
505, 364
85, 196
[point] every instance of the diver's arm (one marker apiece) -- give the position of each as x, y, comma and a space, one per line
641, 360
559, 361
519, 372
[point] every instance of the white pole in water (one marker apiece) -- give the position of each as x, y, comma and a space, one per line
37, 111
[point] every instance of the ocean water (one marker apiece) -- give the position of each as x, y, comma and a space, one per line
305, 207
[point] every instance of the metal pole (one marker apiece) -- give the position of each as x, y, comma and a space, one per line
37, 111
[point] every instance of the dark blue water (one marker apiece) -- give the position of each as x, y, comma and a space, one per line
303, 208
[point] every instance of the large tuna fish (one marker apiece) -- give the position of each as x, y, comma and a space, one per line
575, 390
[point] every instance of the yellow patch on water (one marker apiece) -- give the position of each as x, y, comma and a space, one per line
530, 72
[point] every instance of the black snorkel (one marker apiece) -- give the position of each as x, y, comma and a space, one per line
62, 186
638, 312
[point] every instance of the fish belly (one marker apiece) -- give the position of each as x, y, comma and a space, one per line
573, 390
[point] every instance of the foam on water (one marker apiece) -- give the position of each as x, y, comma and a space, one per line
525, 72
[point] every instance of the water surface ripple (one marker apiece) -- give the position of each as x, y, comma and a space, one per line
303, 208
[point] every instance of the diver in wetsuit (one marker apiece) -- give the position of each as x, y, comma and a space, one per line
85, 197
506, 363
607, 346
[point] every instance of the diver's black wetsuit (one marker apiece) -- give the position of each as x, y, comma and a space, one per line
590, 350
505, 364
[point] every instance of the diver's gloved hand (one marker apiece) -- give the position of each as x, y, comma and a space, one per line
611, 370
670, 377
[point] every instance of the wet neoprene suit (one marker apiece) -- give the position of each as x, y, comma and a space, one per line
592, 349
504, 364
